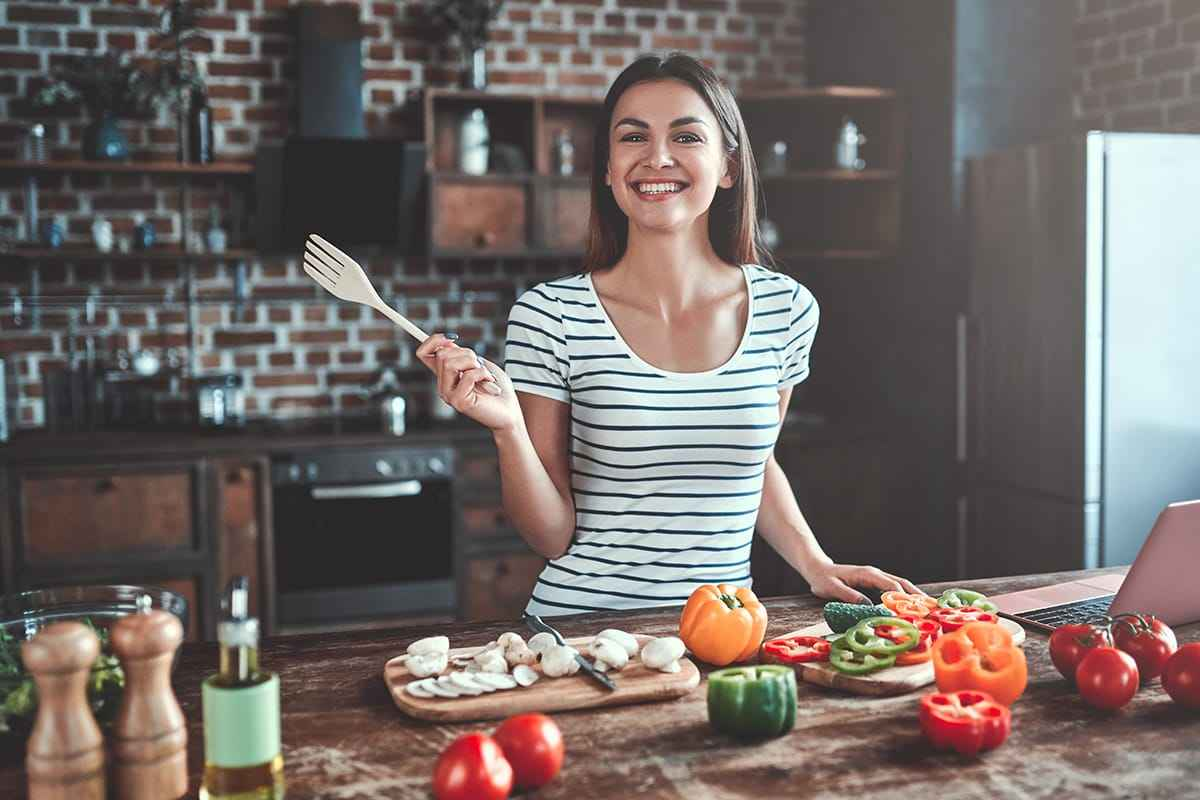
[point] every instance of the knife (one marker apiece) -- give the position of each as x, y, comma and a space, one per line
535, 623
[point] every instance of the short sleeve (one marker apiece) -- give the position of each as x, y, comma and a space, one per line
535, 349
802, 329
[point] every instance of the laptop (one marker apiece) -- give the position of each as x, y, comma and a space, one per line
1161, 581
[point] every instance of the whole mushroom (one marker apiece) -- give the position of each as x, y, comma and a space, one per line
663, 654
626, 640
608, 654
559, 660
424, 665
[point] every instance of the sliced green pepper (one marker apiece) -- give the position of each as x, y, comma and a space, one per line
862, 638
752, 702
959, 598
851, 662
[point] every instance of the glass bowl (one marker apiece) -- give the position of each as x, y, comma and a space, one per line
25, 613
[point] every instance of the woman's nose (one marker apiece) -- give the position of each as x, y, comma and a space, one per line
660, 155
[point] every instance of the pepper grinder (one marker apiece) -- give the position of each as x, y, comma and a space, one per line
149, 745
64, 757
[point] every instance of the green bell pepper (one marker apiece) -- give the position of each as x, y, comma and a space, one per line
852, 662
960, 598
862, 638
752, 702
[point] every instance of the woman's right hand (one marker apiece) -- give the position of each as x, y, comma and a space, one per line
459, 375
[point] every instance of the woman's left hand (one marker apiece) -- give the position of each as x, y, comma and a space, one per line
837, 581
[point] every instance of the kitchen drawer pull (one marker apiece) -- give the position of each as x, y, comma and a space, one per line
105, 485
368, 491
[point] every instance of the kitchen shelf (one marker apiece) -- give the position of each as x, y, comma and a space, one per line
61, 254
835, 175
220, 168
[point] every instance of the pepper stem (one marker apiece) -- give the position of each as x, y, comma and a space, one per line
731, 601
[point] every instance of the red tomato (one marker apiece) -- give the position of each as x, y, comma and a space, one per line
1181, 676
472, 767
1147, 639
533, 744
1107, 677
1070, 643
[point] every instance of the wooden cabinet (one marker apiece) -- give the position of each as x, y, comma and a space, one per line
526, 204
498, 586
245, 532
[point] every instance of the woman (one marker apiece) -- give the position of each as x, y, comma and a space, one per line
643, 397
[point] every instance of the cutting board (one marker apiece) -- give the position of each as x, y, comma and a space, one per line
635, 684
885, 682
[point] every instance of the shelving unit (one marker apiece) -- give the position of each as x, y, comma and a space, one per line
520, 208
219, 168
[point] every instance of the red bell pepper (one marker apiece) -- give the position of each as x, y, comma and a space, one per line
796, 650
967, 721
951, 619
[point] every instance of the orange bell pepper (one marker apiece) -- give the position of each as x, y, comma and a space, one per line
917, 605
980, 656
723, 624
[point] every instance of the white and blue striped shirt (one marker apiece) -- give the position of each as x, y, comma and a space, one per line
666, 467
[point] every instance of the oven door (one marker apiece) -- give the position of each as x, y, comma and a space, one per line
363, 550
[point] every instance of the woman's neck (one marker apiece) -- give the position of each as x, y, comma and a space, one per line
669, 271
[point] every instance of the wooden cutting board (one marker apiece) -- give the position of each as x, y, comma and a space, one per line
890, 681
635, 684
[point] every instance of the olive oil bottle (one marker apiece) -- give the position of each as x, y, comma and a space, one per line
243, 758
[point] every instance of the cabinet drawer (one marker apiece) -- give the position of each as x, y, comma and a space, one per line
107, 513
487, 523
478, 216
498, 587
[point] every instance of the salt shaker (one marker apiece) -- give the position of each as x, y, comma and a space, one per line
64, 758
149, 744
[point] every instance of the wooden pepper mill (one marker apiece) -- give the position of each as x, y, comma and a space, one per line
149, 737
64, 758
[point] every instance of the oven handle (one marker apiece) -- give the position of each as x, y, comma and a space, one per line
367, 490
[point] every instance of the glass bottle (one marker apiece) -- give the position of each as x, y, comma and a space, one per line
243, 757
200, 128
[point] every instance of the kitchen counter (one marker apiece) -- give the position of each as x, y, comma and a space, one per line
344, 738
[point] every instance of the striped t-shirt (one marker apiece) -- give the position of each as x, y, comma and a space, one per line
666, 467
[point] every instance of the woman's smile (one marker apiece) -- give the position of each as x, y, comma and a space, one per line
657, 191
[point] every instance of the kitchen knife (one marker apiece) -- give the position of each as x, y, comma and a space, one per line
535, 624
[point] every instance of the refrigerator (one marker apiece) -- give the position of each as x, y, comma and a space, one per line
1079, 354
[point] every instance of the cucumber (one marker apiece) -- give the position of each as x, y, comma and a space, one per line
841, 617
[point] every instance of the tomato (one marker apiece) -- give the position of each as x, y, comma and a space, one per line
1181, 676
533, 744
1070, 643
472, 767
1107, 677
1148, 639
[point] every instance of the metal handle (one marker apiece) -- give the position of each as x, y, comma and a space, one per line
368, 491
960, 394
535, 623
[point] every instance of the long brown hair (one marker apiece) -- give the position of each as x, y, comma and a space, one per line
732, 218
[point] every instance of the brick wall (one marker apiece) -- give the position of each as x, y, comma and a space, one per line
298, 353
1137, 65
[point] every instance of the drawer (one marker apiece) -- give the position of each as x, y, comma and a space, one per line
498, 587
107, 513
480, 217
487, 523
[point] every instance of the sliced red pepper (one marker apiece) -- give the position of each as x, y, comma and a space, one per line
951, 619
967, 721
930, 630
797, 649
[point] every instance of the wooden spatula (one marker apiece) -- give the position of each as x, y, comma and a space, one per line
341, 276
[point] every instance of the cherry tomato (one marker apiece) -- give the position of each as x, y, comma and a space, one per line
1148, 639
1107, 677
1070, 643
1181, 676
472, 767
533, 744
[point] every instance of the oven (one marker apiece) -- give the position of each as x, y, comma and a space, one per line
363, 533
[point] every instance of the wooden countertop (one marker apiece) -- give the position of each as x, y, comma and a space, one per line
41, 446
344, 738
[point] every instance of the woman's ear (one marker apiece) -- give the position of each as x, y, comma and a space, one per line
608, 176
731, 172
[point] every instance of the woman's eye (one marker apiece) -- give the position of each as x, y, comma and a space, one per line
689, 138
633, 137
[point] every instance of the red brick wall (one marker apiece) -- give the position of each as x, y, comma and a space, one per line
298, 353
1137, 64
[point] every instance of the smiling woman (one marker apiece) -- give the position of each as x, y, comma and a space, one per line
642, 398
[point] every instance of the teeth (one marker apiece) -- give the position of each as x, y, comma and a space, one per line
659, 188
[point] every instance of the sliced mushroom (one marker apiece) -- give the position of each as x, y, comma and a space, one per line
609, 654
438, 690
500, 682
541, 642
559, 660
627, 641
420, 688
430, 644
491, 661
426, 664
663, 654
447, 683
465, 683
525, 675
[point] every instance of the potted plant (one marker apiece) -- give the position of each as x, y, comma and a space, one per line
110, 86
469, 19
175, 80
